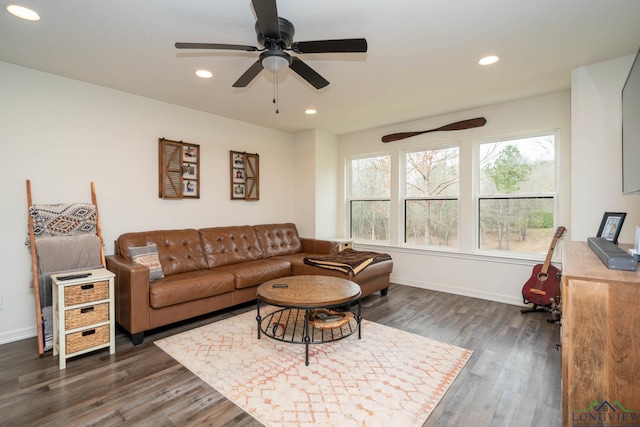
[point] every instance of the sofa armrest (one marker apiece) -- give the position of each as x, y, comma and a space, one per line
131, 293
316, 246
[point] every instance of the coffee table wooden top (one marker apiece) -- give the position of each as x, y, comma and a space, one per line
309, 291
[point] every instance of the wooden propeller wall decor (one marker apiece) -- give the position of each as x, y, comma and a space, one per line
464, 124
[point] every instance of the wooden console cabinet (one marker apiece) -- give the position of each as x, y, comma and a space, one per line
600, 341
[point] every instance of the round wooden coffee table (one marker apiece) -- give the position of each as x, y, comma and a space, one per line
314, 310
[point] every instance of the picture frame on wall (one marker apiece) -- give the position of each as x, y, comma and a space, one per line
189, 171
238, 176
178, 170
189, 188
190, 153
238, 191
244, 179
611, 225
237, 160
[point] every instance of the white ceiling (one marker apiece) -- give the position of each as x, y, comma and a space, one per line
421, 61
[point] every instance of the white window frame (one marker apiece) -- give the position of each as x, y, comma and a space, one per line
477, 196
403, 197
351, 199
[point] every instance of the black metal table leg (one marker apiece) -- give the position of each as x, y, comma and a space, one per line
359, 319
307, 339
258, 318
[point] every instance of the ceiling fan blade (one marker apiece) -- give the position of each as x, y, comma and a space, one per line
216, 46
267, 13
249, 75
461, 125
307, 73
327, 46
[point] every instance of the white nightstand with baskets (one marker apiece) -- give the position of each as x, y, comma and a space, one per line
83, 313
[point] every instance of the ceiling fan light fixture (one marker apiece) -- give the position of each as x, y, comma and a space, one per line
275, 64
22, 12
488, 60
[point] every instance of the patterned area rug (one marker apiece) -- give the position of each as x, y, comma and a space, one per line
389, 377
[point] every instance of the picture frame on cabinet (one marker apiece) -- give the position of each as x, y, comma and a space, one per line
611, 225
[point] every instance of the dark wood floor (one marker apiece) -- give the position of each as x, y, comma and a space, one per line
512, 379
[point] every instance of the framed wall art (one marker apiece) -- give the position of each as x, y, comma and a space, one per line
245, 178
178, 170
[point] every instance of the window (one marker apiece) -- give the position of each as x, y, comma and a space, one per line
517, 194
370, 197
431, 193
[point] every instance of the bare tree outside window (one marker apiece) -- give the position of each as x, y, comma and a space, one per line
431, 197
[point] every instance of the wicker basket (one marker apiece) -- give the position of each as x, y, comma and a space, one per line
82, 340
86, 292
84, 316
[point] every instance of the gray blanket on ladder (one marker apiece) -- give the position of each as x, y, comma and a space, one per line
57, 255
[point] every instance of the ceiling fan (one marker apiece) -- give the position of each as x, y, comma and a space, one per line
275, 34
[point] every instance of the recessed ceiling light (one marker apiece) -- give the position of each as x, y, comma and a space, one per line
488, 60
310, 111
204, 74
22, 12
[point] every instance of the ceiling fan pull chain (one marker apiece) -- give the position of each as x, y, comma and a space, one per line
275, 93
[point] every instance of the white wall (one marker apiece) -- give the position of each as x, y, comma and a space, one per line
327, 186
316, 176
62, 134
596, 153
468, 272
304, 174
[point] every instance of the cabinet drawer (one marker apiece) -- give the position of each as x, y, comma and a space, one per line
82, 340
86, 292
79, 317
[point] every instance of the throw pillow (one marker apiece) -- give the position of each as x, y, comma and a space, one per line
148, 255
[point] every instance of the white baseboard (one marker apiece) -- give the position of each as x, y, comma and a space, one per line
17, 335
506, 299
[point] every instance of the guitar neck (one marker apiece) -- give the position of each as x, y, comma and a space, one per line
559, 232
547, 260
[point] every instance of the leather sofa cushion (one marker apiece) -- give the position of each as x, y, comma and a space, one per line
255, 272
278, 239
183, 287
230, 245
179, 250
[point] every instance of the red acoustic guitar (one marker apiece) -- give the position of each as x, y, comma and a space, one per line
543, 286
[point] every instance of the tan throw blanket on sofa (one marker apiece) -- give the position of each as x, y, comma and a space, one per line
347, 261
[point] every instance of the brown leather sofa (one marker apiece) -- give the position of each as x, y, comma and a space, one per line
214, 268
